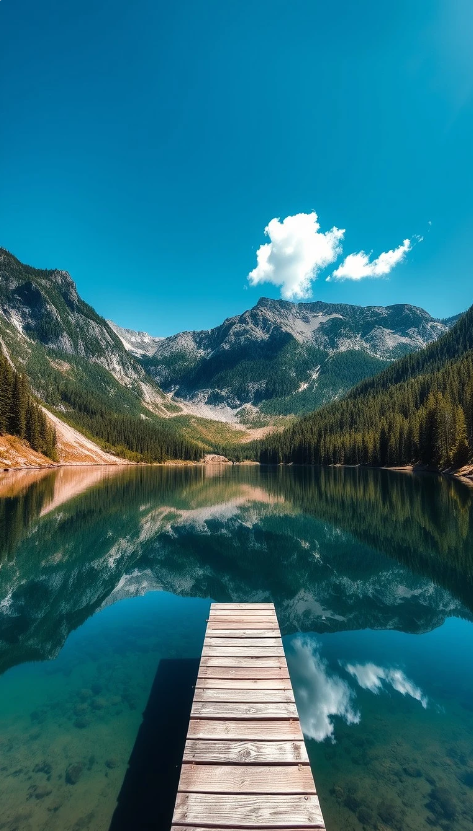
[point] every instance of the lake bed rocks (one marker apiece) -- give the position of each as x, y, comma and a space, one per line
73, 773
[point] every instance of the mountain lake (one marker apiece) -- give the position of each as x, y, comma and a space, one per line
104, 572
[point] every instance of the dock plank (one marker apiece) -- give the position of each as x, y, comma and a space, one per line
245, 764
242, 661
250, 695
247, 643
243, 608
245, 752
242, 652
266, 779
243, 672
248, 810
243, 709
244, 683
245, 730
242, 632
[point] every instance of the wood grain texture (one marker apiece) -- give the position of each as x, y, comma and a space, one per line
248, 810
245, 752
186, 827
242, 652
243, 709
242, 672
246, 779
224, 632
245, 763
245, 730
243, 606
254, 613
252, 625
250, 695
240, 661
246, 643
244, 683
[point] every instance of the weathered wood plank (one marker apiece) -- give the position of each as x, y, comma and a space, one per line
243, 709
262, 643
245, 730
243, 672
252, 625
249, 810
252, 695
253, 629
245, 763
245, 752
186, 827
242, 652
244, 683
240, 661
213, 778
241, 615
225, 632
242, 606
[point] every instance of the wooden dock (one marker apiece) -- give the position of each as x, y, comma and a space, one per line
245, 764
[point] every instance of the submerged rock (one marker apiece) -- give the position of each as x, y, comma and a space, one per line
98, 703
112, 762
82, 722
442, 803
73, 773
43, 767
85, 693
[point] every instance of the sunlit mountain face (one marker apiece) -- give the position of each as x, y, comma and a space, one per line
105, 571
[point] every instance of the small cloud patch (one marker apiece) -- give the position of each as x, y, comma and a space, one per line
374, 678
358, 266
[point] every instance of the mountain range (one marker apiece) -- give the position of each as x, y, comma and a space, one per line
286, 358
134, 393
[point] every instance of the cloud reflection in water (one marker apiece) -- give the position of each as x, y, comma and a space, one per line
319, 696
373, 678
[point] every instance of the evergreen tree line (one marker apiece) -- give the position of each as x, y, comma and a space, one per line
134, 438
20, 415
420, 410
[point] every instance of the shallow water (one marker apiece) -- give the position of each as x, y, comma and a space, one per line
105, 572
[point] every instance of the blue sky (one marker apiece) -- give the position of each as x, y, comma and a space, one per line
144, 147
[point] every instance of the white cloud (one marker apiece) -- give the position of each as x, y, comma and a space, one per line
319, 696
371, 677
358, 266
295, 254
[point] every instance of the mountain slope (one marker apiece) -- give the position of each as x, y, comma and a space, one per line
287, 357
80, 368
418, 410
139, 344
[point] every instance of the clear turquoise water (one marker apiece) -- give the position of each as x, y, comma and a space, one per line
103, 573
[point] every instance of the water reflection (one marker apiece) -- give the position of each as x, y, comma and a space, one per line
104, 572
320, 695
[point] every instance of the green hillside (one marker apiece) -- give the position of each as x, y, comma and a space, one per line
419, 410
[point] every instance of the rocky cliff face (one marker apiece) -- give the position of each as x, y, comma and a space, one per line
289, 357
139, 344
51, 333
44, 306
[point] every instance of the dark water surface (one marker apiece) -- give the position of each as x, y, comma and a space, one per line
105, 572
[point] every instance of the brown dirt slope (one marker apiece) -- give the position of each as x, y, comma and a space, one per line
72, 447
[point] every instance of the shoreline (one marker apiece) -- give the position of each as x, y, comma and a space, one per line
466, 477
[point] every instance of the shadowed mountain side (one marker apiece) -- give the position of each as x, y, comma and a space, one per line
250, 535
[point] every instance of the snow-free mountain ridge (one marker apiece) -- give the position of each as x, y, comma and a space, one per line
285, 357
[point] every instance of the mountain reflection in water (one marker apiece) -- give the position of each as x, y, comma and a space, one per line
356, 561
